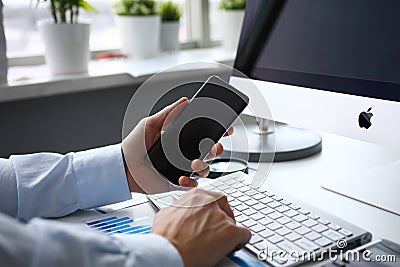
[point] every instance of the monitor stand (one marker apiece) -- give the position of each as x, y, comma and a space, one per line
289, 143
378, 186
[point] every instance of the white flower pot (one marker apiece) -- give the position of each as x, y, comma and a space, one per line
67, 47
232, 24
140, 35
170, 35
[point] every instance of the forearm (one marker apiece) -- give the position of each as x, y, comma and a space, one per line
51, 185
49, 243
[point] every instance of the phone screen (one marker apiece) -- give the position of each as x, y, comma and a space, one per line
197, 128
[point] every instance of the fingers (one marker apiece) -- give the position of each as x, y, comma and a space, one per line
229, 132
158, 120
187, 182
201, 168
216, 151
242, 236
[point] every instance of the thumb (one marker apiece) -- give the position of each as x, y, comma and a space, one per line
168, 114
242, 235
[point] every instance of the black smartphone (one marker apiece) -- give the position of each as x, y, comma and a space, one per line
200, 125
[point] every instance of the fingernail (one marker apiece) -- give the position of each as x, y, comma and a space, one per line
203, 165
186, 182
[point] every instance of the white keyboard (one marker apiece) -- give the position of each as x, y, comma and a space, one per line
281, 226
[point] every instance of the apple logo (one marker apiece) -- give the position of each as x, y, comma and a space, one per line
364, 120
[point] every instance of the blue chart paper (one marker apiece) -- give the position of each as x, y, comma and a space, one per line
123, 225
244, 260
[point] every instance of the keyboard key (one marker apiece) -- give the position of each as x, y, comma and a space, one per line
282, 208
236, 213
275, 215
241, 218
257, 228
291, 213
257, 216
268, 246
230, 181
208, 187
324, 222
251, 202
258, 196
300, 218
306, 244
218, 183
290, 248
283, 231
267, 210
302, 230
234, 203
255, 239
319, 228
293, 237
310, 223
224, 187
251, 192
266, 200
277, 198
323, 241
243, 189
237, 194
284, 220
249, 211
266, 233
293, 225
313, 216
312, 236
259, 206
345, 232
244, 198
265, 221
303, 211
334, 227
332, 235
273, 204
275, 239
273, 226
286, 202
241, 207
249, 223
293, 206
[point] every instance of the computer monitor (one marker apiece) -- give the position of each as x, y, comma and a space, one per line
331, 65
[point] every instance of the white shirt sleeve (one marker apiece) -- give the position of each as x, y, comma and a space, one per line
45, 243
52, 185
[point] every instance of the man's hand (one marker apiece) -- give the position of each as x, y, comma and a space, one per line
202, 227
141, 177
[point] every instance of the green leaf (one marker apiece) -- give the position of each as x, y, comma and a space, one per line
170, 11
86, 6
136, 8
232, 4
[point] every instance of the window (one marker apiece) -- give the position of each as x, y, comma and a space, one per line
24, 40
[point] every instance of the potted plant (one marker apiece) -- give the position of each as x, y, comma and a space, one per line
232, 19
139, 27
170, 15
66, 40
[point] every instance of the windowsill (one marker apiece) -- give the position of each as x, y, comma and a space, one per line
35, 81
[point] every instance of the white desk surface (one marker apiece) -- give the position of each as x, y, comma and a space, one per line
340, 156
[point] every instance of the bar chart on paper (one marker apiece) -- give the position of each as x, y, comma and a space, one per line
121, 225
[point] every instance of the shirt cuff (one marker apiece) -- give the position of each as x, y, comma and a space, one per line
100, 176
152, 250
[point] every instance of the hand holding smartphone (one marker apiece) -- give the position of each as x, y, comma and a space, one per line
200, 125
